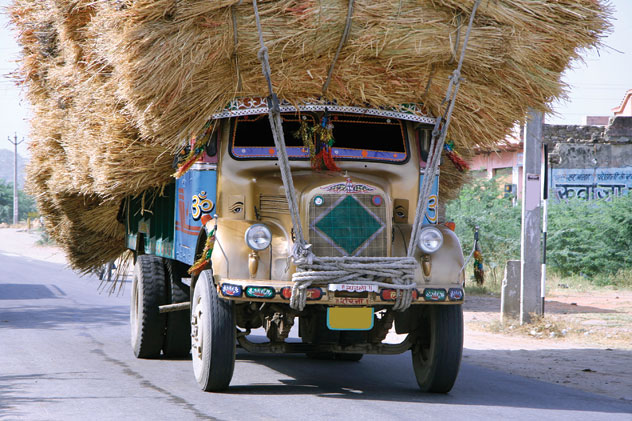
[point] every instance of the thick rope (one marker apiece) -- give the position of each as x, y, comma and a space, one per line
343, 41
438, 139
392, 272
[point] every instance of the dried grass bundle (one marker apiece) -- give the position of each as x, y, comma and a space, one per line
116, 86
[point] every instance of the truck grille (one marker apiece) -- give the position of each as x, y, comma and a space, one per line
348, 225
269, 205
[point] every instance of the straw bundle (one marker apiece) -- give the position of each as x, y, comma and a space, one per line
116, 86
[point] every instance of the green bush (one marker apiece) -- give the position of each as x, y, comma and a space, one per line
482, 203
593, 239
590, 239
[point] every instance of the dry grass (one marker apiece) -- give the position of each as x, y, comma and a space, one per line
116, 86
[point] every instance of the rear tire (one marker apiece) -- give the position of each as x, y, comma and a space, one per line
178, 334
148, 293
212, 336
439, 347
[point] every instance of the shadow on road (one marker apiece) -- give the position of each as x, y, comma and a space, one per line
47, 317
25, 292
390, 378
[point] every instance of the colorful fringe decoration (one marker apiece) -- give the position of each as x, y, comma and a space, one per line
205, 260
454, 156
184, 164
479, 271
323, 160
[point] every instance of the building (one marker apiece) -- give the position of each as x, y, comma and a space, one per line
592, 161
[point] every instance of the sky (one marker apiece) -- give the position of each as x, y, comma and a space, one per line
597, 85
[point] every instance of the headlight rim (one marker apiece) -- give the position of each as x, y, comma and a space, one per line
420, 242
250, 230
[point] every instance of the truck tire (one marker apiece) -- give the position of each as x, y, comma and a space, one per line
148, 293
212, 336
439, 347
178, 334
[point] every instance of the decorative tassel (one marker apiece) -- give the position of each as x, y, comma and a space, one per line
328, 160
454, 156
196, 152
205, 259
479, 271
322, 160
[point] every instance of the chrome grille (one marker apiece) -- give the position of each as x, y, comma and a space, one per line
273, 204
348, 225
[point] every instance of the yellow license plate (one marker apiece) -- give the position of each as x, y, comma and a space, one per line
350, 318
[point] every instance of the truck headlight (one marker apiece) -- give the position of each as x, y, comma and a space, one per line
430, 239
258, 237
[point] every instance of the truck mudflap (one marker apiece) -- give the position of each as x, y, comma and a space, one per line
335, 294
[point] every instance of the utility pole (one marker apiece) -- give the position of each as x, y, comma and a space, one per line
15, 176
531, 231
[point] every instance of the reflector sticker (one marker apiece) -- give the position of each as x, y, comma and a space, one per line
260, 292
431, 294
230, 290
391, 294
313, 294
455, 294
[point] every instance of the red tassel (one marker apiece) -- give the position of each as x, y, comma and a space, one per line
458, 162
329, 162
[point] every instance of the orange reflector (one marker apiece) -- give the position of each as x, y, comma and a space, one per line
450, 225
350, 318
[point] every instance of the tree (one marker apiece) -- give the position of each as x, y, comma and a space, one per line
26, 203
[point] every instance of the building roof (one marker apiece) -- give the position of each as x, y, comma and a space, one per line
626, 98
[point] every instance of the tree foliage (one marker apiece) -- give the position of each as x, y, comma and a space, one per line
26, 203
589, 238
481, 204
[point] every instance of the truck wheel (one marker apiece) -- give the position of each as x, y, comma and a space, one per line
437, 353
178, 335
212, 336
148, 292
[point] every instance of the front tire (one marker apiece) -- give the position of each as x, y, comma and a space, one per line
212, 336
148, 293
439, 348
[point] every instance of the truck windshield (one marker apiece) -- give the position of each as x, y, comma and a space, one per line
356, 137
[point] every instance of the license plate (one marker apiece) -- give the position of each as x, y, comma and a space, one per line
350, 318
353, 287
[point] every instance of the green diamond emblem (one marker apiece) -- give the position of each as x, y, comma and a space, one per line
349, 225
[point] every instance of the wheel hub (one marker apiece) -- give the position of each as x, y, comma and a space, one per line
197, 332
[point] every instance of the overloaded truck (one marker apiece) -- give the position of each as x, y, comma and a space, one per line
228, 222
318, 211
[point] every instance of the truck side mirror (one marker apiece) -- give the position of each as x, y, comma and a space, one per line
211, 146
423, 135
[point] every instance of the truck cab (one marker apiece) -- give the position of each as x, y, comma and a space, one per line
214, 249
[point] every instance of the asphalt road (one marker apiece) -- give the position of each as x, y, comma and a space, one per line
65, 355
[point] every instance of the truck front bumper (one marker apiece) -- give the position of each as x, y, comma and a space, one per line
247, 290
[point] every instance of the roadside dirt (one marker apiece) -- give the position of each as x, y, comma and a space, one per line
584, 341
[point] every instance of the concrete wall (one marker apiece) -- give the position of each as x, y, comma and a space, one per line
590, 162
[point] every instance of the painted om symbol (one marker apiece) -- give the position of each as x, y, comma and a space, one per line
200, 204
432, 209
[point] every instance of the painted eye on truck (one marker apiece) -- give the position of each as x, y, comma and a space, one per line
236, 207
400, 212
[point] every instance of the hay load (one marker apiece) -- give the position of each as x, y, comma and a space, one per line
117, 86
